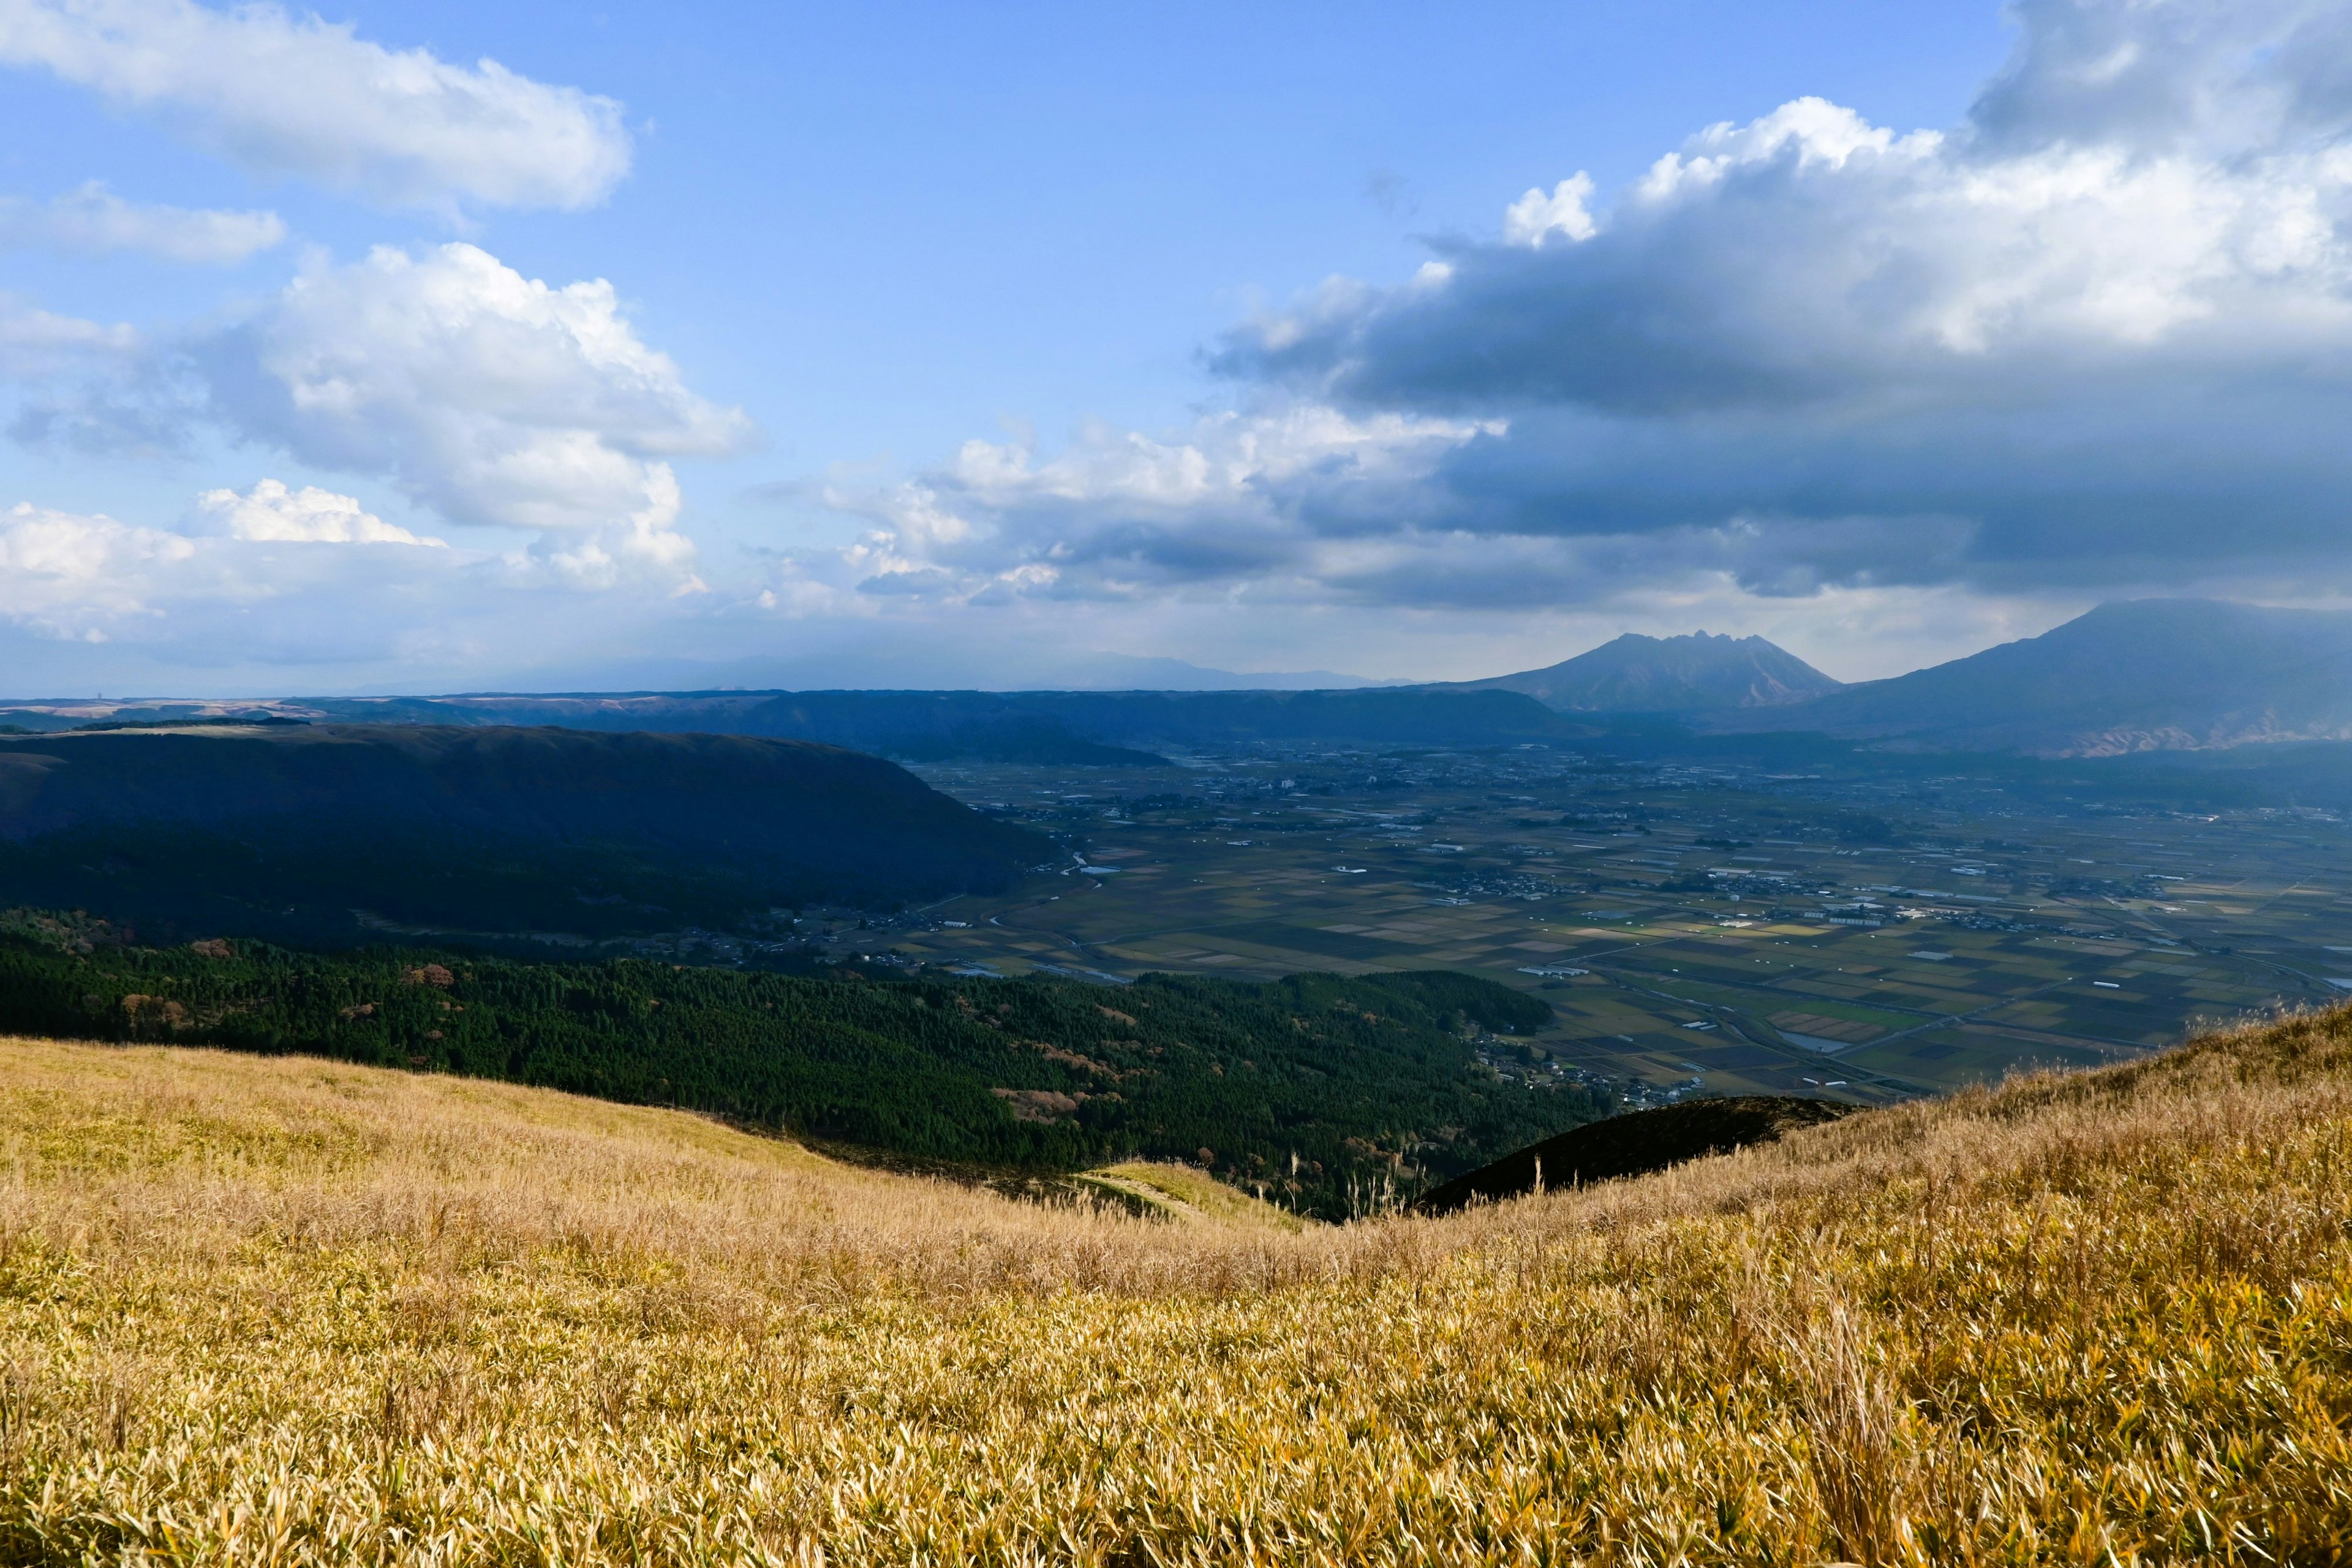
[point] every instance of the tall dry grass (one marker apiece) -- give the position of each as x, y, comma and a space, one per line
281, 1311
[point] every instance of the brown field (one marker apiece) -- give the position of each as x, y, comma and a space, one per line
279, 1311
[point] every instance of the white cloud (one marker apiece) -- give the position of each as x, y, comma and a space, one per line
2095, 339
72, 576
490, 397
275, 577
1809, 255
270, 512
1535, 217
1915, 390
1121, 515
88, 577
92, 221
294, 95
35, 343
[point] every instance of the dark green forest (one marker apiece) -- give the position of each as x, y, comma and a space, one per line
1317, 1088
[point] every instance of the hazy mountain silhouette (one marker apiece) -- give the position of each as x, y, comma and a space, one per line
1097, 728
2135, 675
1691, 673
920, 662
2150, 675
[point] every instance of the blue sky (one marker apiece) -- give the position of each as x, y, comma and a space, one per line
944, 345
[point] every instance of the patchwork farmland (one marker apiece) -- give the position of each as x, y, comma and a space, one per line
1697, 928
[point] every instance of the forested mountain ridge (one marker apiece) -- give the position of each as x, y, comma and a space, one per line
287, 831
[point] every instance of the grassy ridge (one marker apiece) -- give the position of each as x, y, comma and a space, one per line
284, 1310
1370, 1083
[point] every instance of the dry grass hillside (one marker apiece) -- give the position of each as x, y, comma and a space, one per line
278, 1311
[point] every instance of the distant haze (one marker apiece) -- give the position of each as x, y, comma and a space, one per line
2134, 676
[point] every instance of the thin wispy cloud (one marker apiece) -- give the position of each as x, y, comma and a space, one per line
289, 95
94, 221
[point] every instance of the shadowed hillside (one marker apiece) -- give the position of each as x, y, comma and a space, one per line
287, 831
1634, 1144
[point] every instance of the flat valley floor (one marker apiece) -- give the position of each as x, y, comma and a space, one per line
1711, 927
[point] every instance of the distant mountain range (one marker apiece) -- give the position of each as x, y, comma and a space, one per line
1695, 672
1091, 727
918, 662
2142, 675
2151, 675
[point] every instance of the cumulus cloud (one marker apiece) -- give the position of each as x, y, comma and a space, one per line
270, 512
1122, 516
88, 577
1812, 256
2097, 336
293, 95
92, 221
1536, 217
487, 396
71, 576
275, 576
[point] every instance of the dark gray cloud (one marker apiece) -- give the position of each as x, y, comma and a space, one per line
2192, 76
2101, 332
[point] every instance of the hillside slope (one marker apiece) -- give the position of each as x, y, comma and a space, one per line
2139, 676
1695, 672
279, 1309
285, 831
1318, 1088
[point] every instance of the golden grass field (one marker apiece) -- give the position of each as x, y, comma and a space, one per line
280, 1311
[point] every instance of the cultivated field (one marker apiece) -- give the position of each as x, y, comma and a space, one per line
1738, 931
278, 1311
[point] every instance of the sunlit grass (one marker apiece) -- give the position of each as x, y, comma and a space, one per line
281, 1311
1181, 1192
